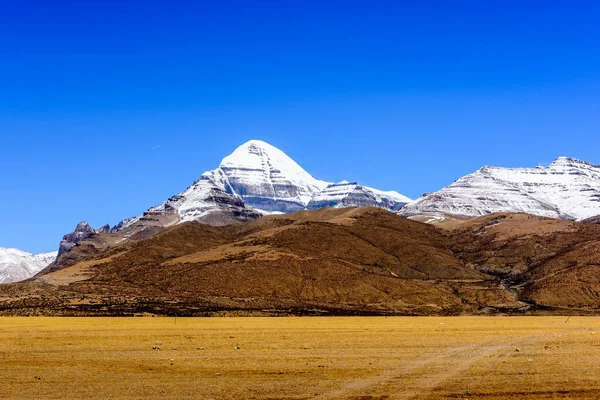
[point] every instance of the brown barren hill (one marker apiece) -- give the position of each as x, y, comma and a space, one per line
550, 263
330, 261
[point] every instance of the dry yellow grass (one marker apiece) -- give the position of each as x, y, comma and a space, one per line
299, 358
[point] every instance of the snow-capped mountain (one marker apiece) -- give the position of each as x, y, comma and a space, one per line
257, 178
254, 180
206, 200
567, 188
17, 265
270, 181
266, 178
351, 194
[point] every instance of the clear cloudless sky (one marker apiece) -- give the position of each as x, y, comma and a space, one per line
109, 107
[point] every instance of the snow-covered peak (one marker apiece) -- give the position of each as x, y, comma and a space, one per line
257, 178
570, 162
261, 156
17, 265
567, 188
266, 178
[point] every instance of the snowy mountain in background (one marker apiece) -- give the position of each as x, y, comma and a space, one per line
568, 188
266, 178
17, 265
256, 179
351, 194
206, 201
270, 181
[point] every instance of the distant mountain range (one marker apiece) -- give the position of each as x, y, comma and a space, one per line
258, 179
17, 265
566, 189
332, 261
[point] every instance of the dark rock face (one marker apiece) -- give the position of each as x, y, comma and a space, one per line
70, 240
105, 229
82, 231
593, 220
122, 225
273, 205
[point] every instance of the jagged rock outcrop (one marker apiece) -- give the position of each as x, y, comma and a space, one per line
82, 231
567, 189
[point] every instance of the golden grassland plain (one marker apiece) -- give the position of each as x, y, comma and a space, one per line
299, 358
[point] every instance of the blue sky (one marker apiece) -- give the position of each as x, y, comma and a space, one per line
108, 108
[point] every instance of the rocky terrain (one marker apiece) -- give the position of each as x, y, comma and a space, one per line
566, 189
593, 220
331, 261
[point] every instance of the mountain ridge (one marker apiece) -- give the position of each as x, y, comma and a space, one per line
258, 179
340, 261
255, 179
567, 188
17, 265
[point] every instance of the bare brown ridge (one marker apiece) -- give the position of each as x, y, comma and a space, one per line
331, 261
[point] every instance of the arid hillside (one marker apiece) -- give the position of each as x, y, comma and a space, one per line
331, 261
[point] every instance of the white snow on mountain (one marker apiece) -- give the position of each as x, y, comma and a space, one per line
567, 188
266, 178
351, 194
257, 179
206, 200
270, 181
17, 265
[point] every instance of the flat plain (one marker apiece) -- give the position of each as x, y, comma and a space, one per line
300, 357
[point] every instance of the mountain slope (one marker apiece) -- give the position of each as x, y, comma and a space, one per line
344, 261
567, 189
551, 264
17, 265
203, 201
